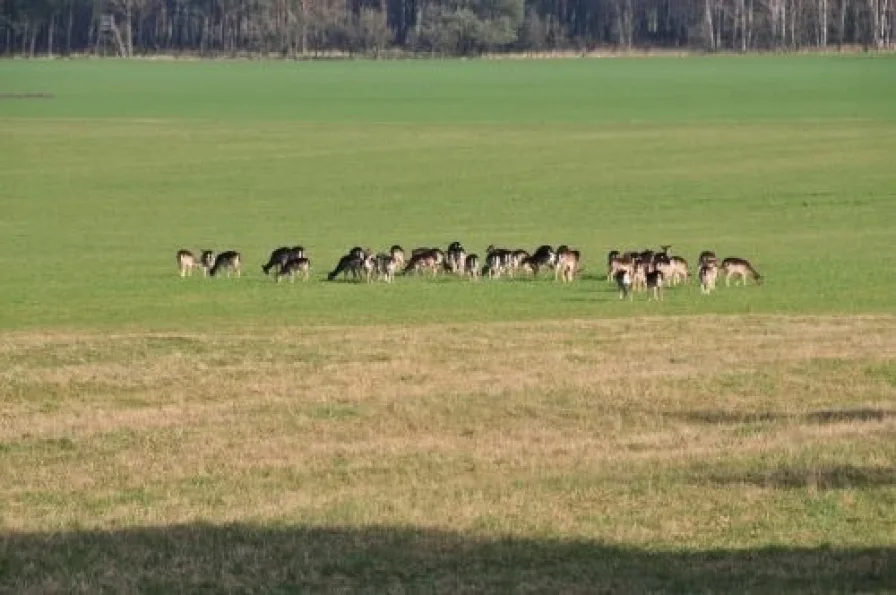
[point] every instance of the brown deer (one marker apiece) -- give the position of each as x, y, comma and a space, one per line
739, 267
567, 263
186, 262
708, 274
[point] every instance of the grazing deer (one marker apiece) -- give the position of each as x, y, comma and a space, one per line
739, 267
497, 261
654, 280
425, 259
185, 262
349, 263
397, 253
230, 261
206, 261
385, 265
455, 258
516, 260
674, 268
293, 267
708, 273
623, 278
639, 275
368, 266
494, 264
619, 262
567, 263
544, 256
280, 256
681, 272
471, 267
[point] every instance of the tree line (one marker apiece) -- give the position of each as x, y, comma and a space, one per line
294, 28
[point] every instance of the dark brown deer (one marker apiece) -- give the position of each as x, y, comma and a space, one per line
293, 267
230, 261
280, 256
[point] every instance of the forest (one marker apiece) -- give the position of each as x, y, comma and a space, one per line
303, 28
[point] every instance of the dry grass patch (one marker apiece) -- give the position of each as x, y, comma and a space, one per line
654, 433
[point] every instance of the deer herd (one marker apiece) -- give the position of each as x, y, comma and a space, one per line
648, 271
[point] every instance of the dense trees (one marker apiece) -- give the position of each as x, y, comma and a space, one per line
301, 27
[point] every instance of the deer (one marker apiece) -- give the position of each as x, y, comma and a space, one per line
707, 274
349, 263
567, 263
280, 256
293, 267
619, 262
674, 268
705, 257
385, 265
206, 261
425, 259
623, 278
471, 267
739, 267
397, 253
544, 256
654, 280
186, 262
455, 258
230, 261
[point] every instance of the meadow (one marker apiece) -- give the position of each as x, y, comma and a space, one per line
163, 434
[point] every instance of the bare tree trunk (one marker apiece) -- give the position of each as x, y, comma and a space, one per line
741, 11
129, 37
794, 12
710, 35
873, 8
203, 39
304, 40
719, 25
624, 22
891, 22
749, 34
50, 35
823, 23
782, 6
841, 29
884, 20
34, 31
68, 29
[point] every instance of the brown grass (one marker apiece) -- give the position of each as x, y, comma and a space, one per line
688, 432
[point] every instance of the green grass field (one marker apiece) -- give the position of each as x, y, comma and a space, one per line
163, 434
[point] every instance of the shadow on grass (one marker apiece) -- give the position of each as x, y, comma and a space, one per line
819, 417
245, 558
821, 477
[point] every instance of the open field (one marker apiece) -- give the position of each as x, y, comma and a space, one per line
161, 434
785, 161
